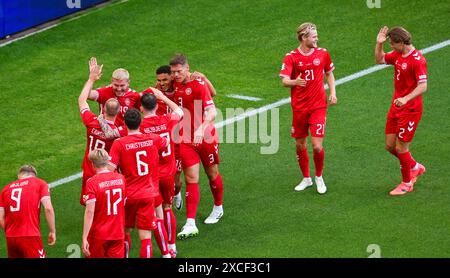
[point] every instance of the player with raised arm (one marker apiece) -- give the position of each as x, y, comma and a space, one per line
20, 207
164, 127
405, 113
199, 143
104, 217
303, 71
96, 138
119, 89
136, 155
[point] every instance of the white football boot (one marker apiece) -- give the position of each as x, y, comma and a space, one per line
305, 183
321, 188
215, 215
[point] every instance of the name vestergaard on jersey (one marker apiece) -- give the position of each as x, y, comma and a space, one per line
110, 183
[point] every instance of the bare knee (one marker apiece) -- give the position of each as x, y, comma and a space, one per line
212, 172
390, 148
300, 145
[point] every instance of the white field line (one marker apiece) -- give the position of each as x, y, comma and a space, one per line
244, 97
88, 12
283, 101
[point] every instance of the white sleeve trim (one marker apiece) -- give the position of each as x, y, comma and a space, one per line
45, 198
91, 201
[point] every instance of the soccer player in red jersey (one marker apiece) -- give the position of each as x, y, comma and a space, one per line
104, 217
96, 138
20, 214
303, 71
199, 143
164, 127
410, 82
137, 157
165, 84
119, 89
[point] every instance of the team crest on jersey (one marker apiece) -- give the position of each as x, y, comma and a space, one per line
404, 66
127, 101
188, 91
316, 62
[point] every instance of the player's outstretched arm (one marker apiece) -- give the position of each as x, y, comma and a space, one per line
381, 38
332, 87
172, 105
50, 218
88, 219
106, 128
95, 73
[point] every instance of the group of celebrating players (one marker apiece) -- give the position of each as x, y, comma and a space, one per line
140, 143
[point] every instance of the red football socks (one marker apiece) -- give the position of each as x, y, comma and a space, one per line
146, 248
161, 236
405, 164
171, 225
127, 246
217, 189
303, 162
192, 199
319, 158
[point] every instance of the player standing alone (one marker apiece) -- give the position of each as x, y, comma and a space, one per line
20, 214
410, 82
303, 71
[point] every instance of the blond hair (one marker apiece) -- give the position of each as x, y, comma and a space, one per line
121, 74
305, 29
99, 158
27, 169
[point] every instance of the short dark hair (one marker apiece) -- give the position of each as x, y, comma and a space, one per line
163, 69
148, 101
133, 119
400, 34
178, 59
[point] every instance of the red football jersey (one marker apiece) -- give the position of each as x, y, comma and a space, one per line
95, 138
194, 97
107, 190
129, 100
136, 155
312, 67
163, 126
410, 70
163, 109
21, 202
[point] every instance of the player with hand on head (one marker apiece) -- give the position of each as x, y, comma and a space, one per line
303, 71
20, 210
405, 113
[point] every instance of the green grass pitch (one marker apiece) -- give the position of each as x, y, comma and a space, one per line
240, 45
